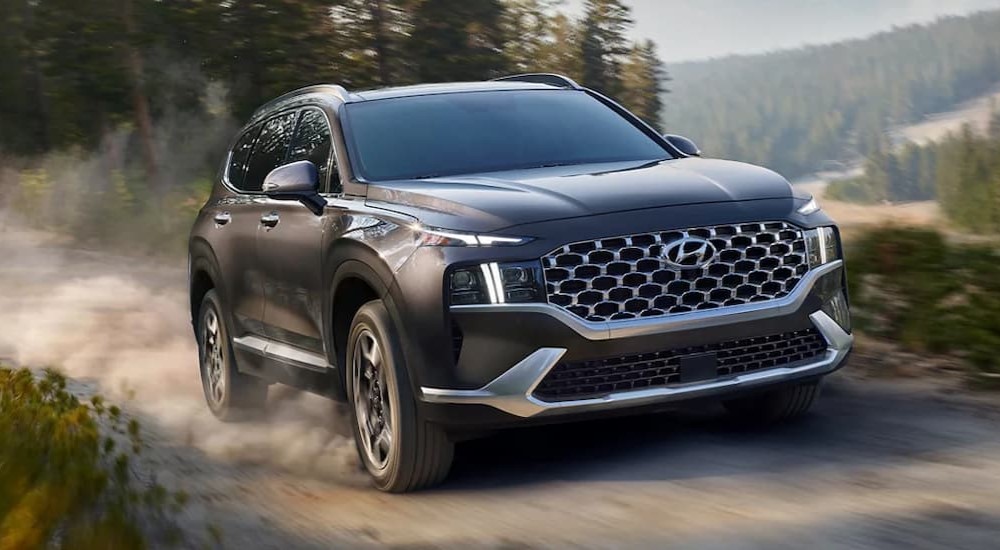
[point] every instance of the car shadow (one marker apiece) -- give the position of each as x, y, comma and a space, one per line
853, 423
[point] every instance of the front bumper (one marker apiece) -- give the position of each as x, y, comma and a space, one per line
512, 392
543, 335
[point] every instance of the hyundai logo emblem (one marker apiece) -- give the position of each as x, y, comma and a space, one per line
688, 253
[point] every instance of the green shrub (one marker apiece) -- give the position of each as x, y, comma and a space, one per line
913, 286
64, 481
116, 210
853, 190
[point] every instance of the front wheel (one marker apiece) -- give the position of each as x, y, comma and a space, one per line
774, 406
400, 451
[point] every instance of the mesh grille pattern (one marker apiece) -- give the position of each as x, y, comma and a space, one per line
626, 278
583, 379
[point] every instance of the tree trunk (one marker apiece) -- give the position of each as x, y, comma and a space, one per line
37, 82
140, 102
377, 10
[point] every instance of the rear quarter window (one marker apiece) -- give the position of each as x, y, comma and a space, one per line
239, 156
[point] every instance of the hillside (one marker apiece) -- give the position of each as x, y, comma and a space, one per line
792, 110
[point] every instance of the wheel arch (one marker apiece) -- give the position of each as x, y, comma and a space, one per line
204, 276
358, 275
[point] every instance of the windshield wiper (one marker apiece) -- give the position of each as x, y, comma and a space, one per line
551, 165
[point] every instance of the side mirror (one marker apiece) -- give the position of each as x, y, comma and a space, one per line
297, 181
297, 178
683, 144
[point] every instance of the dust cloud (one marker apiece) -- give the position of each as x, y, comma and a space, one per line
119, 326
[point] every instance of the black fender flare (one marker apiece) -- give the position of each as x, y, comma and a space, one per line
203, 259
354, 260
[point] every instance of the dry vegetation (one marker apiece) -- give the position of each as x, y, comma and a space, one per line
66, 472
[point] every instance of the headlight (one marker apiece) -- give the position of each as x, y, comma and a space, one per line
496, 283
442, 237
822, 245
810, 207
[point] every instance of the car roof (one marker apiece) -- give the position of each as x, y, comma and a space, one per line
447, 88
531, 81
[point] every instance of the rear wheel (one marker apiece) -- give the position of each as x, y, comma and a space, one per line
778, 405
230, 394
401, 451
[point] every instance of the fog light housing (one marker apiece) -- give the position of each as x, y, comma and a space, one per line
497, 283
836, 307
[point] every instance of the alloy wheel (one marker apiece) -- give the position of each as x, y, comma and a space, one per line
372, 407
213, 361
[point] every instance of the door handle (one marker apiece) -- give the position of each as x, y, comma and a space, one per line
222, 218
270, 220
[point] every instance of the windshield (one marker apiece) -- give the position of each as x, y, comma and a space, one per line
475, 132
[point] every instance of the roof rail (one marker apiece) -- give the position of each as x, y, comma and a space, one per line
551, 79
334, 89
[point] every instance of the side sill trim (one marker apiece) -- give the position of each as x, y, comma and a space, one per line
662, 325
512, 391
282, 352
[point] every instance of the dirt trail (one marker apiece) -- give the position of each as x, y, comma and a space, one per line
975, 112
882, 462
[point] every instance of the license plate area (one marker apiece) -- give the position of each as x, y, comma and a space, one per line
698, 368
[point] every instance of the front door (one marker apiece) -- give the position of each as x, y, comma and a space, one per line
237, 220
290, 245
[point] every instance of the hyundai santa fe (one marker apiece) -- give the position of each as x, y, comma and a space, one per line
451, 259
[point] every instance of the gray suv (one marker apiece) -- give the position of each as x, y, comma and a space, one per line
450, 259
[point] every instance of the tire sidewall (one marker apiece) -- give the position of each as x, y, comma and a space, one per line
375, 318
211, 302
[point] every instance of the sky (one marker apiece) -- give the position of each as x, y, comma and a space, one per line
699, 29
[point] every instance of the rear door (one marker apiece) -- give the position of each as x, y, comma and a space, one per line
234, 241
290, 246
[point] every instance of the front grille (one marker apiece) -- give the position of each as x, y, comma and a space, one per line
595, 378
626, 277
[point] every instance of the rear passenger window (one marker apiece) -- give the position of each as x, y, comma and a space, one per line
312, 142
238, 159
269, 151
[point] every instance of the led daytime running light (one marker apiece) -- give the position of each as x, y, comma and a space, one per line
439, 237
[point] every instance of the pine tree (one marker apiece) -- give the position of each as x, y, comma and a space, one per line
369, 38
23, 110
457, 40
994, 127
136, 70
273, 47
643, 79
895, 178
561, 52
527, 31
604, 45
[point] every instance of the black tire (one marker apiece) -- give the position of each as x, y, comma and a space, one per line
240, 396
774, 406
420, 453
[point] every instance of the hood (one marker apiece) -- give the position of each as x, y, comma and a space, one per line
492, 202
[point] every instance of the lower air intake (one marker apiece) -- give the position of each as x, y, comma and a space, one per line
600, 377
